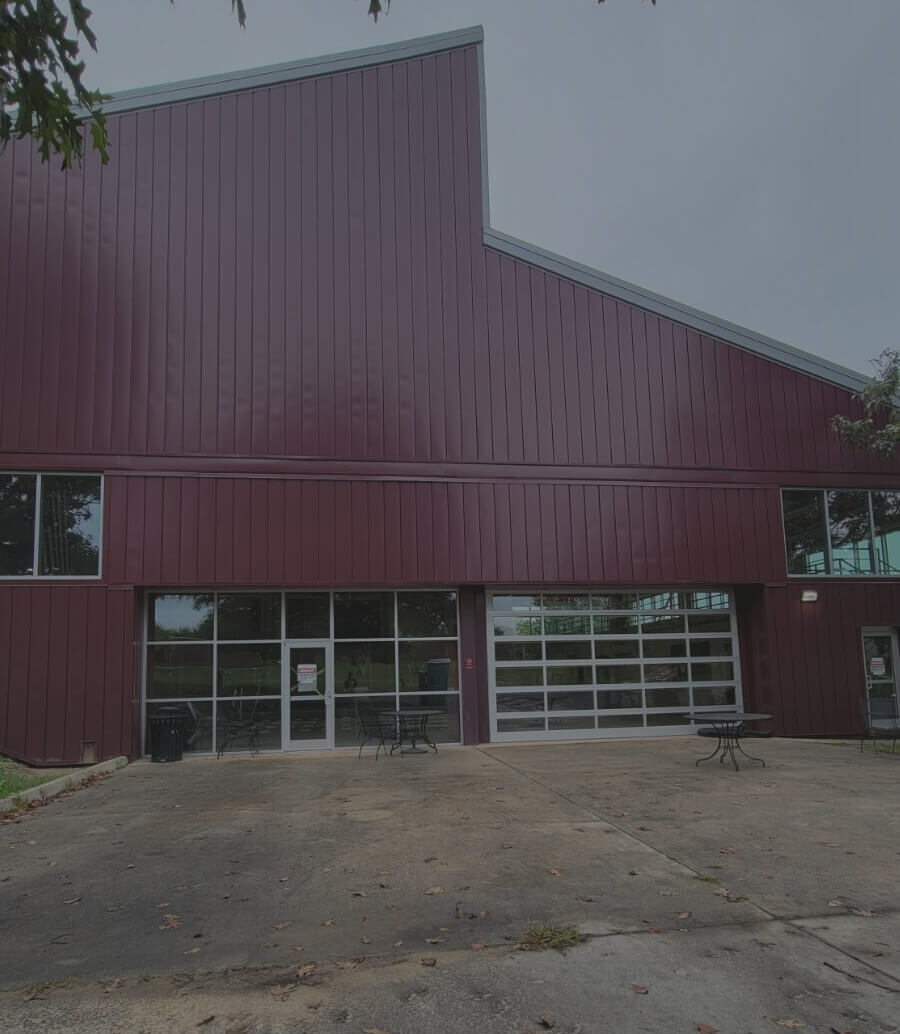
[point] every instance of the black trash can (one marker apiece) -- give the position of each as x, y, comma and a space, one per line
167, 729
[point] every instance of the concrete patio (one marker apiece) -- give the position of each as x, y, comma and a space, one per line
287, 894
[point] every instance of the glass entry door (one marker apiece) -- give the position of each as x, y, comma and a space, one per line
307, 695
880, 656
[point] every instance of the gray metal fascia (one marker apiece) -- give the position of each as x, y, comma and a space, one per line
272, 75
767, 347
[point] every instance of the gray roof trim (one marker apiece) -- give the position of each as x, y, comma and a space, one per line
272, 75
767, 347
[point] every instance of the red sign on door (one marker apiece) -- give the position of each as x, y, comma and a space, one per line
469, 664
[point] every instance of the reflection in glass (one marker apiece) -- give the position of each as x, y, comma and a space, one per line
567, 625
520, 724
886, 510
571, 722
307, 615
613, 674
70, 525
713, 696
17, 500
249, 615
665, 673
665, 647
615, 624
520, 701
804, 531
657, 719
179, 670
517, 626
307, 719
363, 615
347, 726
443, 727
516, 603
570, 675
851, 532
654, 624
570, 601
248, 670
520, 676
175, 616
715, 600
426, 614
364, 668
619, 721
668, 697
661, 601
715, 671
611, 699
573, 650
709, 623
711, 647
571, 701
429, 666
518, 651
614, 601
610, 649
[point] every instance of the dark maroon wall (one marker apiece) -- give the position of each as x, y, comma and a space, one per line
272, 322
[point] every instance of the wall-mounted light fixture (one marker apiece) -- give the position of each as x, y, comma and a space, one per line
809, 596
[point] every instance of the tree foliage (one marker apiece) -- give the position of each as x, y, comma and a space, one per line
879, 429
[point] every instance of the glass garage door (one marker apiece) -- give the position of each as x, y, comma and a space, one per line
573, 664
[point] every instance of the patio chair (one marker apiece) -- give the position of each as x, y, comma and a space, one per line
377, 727
880, 720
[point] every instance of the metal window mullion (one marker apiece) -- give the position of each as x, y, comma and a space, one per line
828, 551
876, 557
215, 673
35, 557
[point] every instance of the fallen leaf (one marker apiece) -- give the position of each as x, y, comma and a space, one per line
283, 879
113, 908
203, 1023
191, 951
113, 985
478, 946
365, 940
791, 1024
547, 1020
705, 1028
72, 901
654, 930
304, 971
553, 872
170, 922
429, 960
867, 912
387, 872
435, 890
281, 991
640, 989
837, 903
360, 893
431, 858
684, 915
330, 922
283, 926
164, 904
374, 1030
435, 940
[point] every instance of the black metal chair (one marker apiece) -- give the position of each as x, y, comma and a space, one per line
880, 720
376, 727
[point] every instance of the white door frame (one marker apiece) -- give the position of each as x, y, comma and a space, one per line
327, 742
877, 630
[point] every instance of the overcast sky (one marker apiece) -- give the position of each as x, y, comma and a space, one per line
741, 157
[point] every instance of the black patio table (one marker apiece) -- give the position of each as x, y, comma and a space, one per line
729, 728
412, 725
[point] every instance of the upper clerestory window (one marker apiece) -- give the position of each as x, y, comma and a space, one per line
50, 525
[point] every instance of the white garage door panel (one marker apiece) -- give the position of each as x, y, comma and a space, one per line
575, 663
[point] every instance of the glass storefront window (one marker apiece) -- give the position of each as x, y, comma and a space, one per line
181, 616
422, 615
249, 615
247, 670
363, 615
17, 509
428, 666
307, 615
179, 670
805, 533
364, 667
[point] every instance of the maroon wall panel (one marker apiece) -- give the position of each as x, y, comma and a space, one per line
259, 530
815, 677
66, 671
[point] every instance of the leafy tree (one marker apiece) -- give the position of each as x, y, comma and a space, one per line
879, 429
41, 92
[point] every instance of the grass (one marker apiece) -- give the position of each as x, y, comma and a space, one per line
707, 878
16, 777
542, 936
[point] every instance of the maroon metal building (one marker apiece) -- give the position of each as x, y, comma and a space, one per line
286, 429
